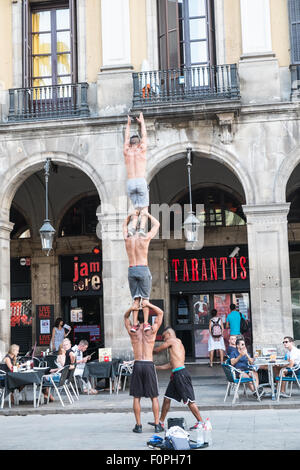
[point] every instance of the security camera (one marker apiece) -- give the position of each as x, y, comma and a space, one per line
234, 252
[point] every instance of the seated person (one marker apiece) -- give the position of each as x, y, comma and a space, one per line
293, 356
80, 364
231, 344
240, 359
11, 358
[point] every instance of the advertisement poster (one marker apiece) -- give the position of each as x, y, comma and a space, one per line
201, 309
89, 332
222, 305
76, 315
45, 327
44, 324
20, 313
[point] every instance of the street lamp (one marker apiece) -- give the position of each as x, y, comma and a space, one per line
47, 231
191, 224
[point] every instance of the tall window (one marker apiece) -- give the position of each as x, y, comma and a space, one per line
294, 18
49, 54
186, 33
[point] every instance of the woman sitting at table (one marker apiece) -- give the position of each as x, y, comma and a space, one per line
10, 361
240, 359
11, 358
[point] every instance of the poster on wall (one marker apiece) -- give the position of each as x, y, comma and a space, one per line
201, 309
20, 313
89, 332
76, 315
44, 324
222, 305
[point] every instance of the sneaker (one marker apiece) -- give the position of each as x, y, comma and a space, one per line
158, 427
137, 428
284, 395
131, 232
142, 233
134, 328
159, 424
147, 326
196, 425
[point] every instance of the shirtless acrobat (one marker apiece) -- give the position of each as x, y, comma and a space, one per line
144, 378
180, 386
139, 276
135, 162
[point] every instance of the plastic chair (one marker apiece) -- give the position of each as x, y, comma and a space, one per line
125, 370
51, 381
235, 379
294, 378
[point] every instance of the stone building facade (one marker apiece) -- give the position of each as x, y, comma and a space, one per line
238, 111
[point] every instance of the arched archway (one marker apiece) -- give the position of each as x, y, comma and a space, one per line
19, 173
211, 277
293, 197
71, 177
173, 152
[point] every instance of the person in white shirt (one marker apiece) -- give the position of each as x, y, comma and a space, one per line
80, 364
293, 356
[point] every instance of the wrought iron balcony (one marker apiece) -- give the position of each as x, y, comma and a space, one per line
197, 84
48, 102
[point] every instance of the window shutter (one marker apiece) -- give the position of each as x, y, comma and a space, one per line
168, 34
211, 32
73, 20
294, 17
26, 30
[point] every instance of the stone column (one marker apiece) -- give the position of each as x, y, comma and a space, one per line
269, 273
116, 294
5, 229
115, 90
258, 67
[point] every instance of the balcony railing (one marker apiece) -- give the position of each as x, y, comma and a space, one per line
48, 102
199, 83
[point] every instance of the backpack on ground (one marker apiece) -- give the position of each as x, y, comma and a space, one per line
216, 330
176, 422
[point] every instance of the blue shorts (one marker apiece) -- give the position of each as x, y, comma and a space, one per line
137, 190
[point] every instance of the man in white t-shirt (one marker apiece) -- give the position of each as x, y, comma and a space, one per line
293, 356
80, 364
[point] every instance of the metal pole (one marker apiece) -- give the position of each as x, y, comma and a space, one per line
47, 171
189, 166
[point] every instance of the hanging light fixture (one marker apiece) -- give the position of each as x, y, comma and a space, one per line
47, 231
191, 224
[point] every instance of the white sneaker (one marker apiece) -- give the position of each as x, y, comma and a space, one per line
284, 395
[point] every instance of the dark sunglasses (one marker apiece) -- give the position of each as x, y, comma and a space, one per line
284, 342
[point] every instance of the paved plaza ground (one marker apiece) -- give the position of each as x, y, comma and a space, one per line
232, 430
105, 421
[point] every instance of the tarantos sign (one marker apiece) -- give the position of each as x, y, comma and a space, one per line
209, 269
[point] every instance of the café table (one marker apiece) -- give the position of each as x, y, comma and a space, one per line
265, 361
102, 370
25, 377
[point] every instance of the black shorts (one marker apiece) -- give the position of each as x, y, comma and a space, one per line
144, 380
180, 387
